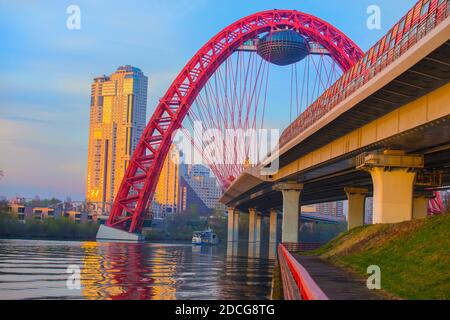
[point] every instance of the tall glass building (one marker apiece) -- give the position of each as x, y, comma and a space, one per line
167, 189
117, 120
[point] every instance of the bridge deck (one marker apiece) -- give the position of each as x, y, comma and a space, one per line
336, 283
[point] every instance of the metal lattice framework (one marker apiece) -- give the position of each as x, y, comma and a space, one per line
141, 177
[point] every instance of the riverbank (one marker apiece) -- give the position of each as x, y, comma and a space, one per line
180, 227
277, 283
49, 229
413, 256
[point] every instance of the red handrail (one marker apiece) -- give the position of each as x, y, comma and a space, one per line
309, 290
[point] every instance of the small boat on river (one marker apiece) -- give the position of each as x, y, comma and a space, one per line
206, 237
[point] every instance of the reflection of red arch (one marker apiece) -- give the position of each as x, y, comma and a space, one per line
143, 171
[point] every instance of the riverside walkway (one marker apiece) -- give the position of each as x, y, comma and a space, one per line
335, 282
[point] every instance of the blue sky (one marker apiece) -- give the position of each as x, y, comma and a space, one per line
46, 69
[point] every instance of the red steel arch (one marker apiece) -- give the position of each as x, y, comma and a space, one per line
141, 177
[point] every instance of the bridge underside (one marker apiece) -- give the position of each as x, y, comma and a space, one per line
326, 182
429, 74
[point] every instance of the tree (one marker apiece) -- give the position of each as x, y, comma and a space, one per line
36, 202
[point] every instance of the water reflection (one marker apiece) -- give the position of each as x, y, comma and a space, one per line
119, 271
254, 249
37, 270
272, 251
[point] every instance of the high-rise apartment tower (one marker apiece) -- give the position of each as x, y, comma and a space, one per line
117, 120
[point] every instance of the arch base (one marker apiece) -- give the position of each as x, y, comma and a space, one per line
109, 234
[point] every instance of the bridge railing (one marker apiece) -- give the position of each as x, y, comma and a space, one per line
303, 246
425, 16
297, 282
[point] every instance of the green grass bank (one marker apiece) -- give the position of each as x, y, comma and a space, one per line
414, 256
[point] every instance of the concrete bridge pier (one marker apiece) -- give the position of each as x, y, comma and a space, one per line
232, 250
356, 204
254, 225
273, 222
233, 225
254, 250
393, 176
392, 195
420, 205
291, 210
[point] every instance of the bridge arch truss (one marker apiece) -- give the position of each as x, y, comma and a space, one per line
141, 177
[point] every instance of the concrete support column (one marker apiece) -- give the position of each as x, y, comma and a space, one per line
236, 226
254, 250
420, 206
393, 174
273, 219
392, 194
291, 210
232, 250
251, 224
230, 234
233, 225
254, 225
356, 205
258, 227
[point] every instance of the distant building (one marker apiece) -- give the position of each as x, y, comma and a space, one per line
22, 211
166, 196
117, 120
184, 188
335, 209
311, 209
43, 213
190, 201
445, 196
75, 216
77, 213
204, 185
199, 189
368, 211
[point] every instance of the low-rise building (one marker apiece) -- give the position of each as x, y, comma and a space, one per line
76, 216
311, 209
41, 213
22, 211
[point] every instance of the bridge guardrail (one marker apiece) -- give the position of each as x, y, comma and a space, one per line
411, 29
303, 246
292, 271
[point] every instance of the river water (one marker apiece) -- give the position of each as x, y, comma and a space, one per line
34, 269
